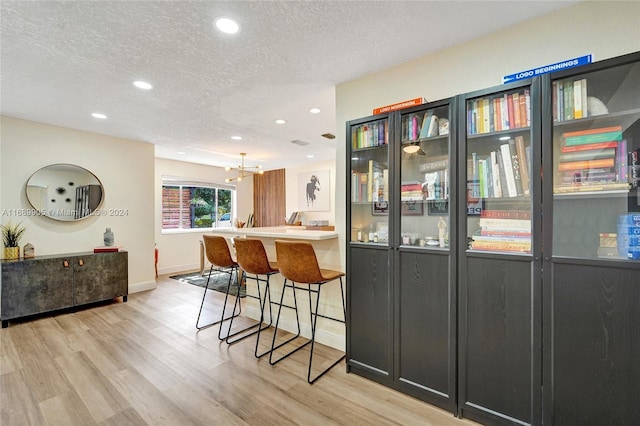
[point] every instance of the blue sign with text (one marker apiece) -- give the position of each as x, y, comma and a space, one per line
570, 63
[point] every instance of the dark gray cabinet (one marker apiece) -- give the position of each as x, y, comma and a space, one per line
591, 316
499, 281
401, 267
49, 283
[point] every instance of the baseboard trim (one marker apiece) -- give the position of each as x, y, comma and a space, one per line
178, 269
143, 286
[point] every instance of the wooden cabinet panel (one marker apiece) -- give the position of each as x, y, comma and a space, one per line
100, 277
496, 371
36, 285
369, 294
595, 344
426, 344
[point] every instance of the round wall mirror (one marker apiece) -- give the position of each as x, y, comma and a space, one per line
64, 192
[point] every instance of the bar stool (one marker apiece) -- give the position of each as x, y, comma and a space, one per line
298, 263
219, 255
252, 258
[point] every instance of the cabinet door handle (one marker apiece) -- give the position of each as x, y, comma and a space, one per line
80, 262
65, 263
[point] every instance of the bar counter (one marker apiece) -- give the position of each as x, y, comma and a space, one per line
327, 247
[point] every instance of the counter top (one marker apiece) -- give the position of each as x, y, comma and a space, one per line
284, 232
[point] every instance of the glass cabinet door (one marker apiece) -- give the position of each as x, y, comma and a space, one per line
498, 172
596, 165
370, 182
425, 178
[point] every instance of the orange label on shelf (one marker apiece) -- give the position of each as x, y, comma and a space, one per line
399, 105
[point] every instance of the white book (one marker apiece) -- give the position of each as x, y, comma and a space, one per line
508, 171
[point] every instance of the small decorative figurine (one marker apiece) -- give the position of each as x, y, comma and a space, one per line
442, 231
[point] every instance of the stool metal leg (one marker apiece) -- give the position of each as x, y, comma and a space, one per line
259, 324
275, 331
314, 320
206, 288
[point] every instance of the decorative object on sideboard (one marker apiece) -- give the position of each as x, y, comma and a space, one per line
28, 251
11, 235
241, 169
108, 237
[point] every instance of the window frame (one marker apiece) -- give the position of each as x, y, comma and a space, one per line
181, 183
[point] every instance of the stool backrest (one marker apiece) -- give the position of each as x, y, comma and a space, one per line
297, 261
217, 251
252, 256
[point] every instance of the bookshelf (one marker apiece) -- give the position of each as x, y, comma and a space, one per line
401, 253
498, 244
512, 257
591, 213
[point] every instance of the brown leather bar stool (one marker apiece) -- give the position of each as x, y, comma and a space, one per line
219, 255
252, 258
298, 263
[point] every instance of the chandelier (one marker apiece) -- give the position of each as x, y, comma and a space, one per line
241, 170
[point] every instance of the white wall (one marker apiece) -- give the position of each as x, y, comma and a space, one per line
125, 169
180, 251
603, 28
293, 190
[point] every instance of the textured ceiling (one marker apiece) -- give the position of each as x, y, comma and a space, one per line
61, 61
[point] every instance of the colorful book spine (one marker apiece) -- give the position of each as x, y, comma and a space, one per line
506, 214
593, 138
587, 155
592, 131
586, 164
589, 146
621, 161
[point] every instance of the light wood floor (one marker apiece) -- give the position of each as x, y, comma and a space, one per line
143, 363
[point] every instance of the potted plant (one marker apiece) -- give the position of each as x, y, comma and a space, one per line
11, 235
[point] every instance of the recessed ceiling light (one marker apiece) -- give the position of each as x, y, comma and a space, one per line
98, 115
181, 153
227, 25
504, 138
236, 138
280, 121
142, 85
310, 156
314, 110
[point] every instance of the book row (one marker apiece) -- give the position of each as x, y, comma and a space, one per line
504, 173
370, 186
494, 114
370, 134
423, 125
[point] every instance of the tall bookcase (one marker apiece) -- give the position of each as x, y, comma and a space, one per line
495, 270
401, 253
591, 226
499, 281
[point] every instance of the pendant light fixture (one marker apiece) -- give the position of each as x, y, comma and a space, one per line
241, 170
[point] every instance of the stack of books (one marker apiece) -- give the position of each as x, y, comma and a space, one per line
503, 230
629, 236
592, 160
411, 191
